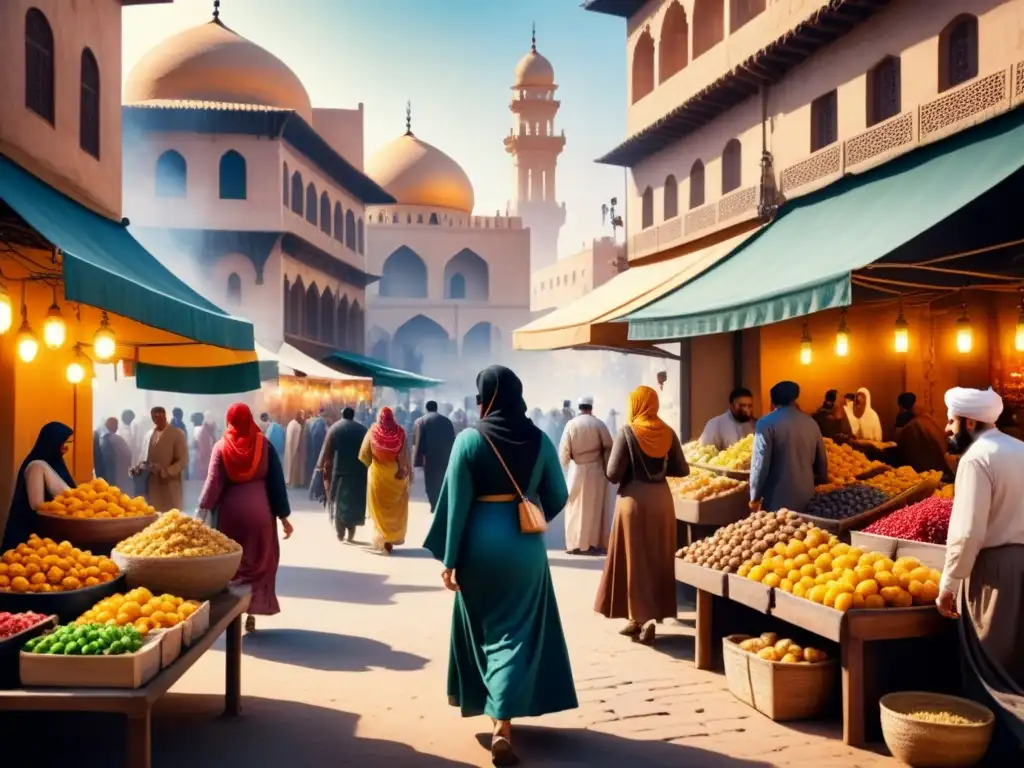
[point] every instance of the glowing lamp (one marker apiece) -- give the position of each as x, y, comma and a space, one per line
75, 373
964, 335
1018, 336
805, 347
6, 311
28, 344
842, 337
54, 330
104, 343
901, 335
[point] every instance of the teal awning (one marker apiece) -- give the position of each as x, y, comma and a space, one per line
105, 267
382, 375
208, 380
802, 262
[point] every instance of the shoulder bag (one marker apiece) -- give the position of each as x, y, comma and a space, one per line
531, 518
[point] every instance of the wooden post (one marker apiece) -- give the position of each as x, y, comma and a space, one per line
233, 670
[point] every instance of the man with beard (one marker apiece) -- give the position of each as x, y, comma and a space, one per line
733, 425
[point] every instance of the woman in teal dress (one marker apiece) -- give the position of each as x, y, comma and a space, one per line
508, 657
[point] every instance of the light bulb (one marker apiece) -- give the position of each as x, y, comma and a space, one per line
1018, 337
104, 344
75, 372
964, 336
901, 335
6, 311
54, 330
805, 353
842, 343
28, 345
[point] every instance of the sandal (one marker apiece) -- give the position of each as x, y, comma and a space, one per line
250, 623
647, 634
502, 753
632, 629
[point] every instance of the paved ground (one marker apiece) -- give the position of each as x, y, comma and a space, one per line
352, 672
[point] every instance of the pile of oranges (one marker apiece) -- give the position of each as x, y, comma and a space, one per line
96, 499
141, 609
43, 565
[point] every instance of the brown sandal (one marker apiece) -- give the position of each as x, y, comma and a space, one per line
647, 634
502, 753
632, 629
250, 623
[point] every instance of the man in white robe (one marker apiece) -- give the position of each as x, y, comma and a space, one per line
584, 449
295, 452
733, 425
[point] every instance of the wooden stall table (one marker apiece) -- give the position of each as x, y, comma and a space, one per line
226, 611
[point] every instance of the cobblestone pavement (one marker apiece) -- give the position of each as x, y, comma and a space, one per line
352, 672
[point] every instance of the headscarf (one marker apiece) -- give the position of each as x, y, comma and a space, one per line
653, 434
243, 444
386, 436
47, 448
984, 406
504, 422
868, 426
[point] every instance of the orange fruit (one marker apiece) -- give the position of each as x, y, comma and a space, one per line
19, 584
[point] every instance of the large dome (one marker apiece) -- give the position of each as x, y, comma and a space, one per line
417, 173
534, 70
213, 63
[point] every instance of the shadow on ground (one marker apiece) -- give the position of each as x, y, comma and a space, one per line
581, 562
341, 586
539, 746
188, 731
326, 651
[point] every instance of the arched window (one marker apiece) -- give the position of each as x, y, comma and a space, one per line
433, 218
419, 218
296, 307
171, 175
696, 184
404, 275
884, 96
742, 11
39, 66
350, 229
673, 46
311, 329
232, 176
732, 166
643, 67
327, 316
339, 223
671, 205
297, 193
708, 25
647, 209
958, 52
341, 325
824, 121
89, 105
457, 287
234, 289
311, 203
359, 236
285, 181
325, 213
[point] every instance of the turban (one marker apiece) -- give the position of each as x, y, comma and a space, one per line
984, 406
785, 392
586, 400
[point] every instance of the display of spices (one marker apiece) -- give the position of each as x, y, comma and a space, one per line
926, 521
12, 624
845, 502
896, 481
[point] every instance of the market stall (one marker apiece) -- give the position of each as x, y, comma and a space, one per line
302, 383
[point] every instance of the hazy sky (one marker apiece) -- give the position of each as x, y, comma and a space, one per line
454, 59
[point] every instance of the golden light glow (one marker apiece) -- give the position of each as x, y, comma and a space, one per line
901, 335
6, 311
964, 333
75, 372
104, 343
1018, 338
28, 344
842, 337
806, 355
54, 329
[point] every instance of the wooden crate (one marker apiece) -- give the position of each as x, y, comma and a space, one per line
10, 648
749, 593
706, 579
196, 625
170, 644
910, 496
131, 670
862, 623
716, 511
932, 555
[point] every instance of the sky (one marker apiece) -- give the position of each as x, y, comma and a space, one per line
454, 60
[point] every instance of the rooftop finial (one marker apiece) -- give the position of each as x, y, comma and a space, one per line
533, 38
216, 10
408, 118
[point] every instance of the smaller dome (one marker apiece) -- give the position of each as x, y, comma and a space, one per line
533, 69
417, 173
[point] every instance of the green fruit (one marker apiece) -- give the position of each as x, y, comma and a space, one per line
116, 648
56, 649
72, 649
90, 649
135, 645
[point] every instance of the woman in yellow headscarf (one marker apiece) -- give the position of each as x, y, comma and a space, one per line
639, 582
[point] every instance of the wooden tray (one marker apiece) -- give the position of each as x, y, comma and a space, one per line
932, 555
864, 624
170, 644
10, 647
198, 624
706, 579
717, 511
914, 494
131, 670
752, 594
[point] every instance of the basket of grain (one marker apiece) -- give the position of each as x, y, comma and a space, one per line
777, 677
933, 730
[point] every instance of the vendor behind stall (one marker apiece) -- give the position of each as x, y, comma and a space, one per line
831, 418
789, 454
42, 476
920, 441
733, 425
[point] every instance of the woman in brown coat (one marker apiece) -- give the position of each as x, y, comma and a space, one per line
639, 582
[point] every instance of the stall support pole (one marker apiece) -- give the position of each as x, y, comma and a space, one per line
74, 428
685, 376
703, 650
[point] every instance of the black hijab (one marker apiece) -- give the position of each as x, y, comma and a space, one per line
505, 422
47, 448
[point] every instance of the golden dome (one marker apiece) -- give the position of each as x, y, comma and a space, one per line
417, 173
213, 63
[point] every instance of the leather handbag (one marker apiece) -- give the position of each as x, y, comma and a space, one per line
531, 517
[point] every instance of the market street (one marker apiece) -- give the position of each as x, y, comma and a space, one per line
353, 670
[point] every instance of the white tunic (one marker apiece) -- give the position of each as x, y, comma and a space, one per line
988, 509
584, 449
722, 431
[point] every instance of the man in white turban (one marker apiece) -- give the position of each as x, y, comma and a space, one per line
985, 544
584, 449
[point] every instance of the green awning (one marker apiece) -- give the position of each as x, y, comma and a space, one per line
382, 375
105, 267
802, 262
209, 380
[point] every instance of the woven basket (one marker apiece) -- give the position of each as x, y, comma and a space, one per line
86, 532
194, 578
934, 745
776, 690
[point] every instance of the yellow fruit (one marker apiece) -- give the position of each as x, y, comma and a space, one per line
886, 579
849, 578
771, 580
799, 590
780, 549
801, 560
843, 602
929, 592
824, 561
744, 570
781, 571
807, 582
808, 570
858, 601
786, 585
186, 609
793, 575
865, 572
867, 587
822, 578
788, 563
19, 584
768, 654
921, 573
757, 573
818, 593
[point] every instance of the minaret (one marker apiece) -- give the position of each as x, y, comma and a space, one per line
535, 147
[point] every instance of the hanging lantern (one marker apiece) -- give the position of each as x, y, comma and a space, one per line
104, 343
805, 347
54, 330
75, 372
964, 334
6, 311
842, 337
901, 335
1018, 337
28, 344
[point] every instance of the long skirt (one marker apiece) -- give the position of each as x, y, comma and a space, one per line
388, 502
992, 638
244, 515
347, 501
639, 580
508, 657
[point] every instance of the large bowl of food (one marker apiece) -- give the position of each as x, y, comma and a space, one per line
933, 730
94, 514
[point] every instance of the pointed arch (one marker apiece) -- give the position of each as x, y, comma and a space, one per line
420, 339
404, 275
339, 223
297, 307
311, 328
477, 343
234, 289
327, 316
325, 213
171, 175
467, 276
708, 25
732, 166
671, 202
286, 180
297, 193
350, 229
232, 176
89, 105
696, 184
40, 84
674, 42
433, 219
647, 209
341, 340
357, 328
642, 75
311, 198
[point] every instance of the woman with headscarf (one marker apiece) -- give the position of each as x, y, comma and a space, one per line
639, 582
864, 419
206, 437
385, 453
42, 476
246, 494
507, 657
